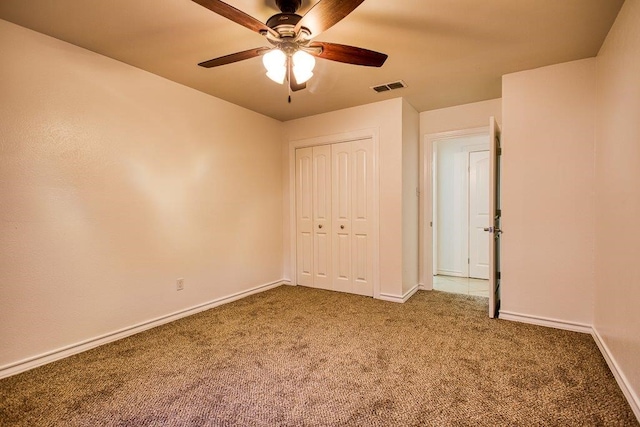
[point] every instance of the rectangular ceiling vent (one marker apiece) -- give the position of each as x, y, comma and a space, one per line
389, 86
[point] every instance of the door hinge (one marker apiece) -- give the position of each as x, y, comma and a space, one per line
498, 275
468, 260
498, 213
499, 151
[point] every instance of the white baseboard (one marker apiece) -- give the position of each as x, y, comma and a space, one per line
425, 287
61, 353
545, 321
621, 379
400, 299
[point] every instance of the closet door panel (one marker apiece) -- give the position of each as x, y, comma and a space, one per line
361, 264
322, 190
362, 221
343, 261
342, 248
304, 217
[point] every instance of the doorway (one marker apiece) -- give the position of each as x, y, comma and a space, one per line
460, 188
455, 204
431, 271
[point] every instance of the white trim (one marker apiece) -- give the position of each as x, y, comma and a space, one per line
401, 299
391, 298
357, 135
545, 321
51, 356
621, 379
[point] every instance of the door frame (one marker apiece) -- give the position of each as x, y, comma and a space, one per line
428, 168
358, 135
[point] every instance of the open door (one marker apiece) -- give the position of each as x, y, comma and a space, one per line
494, 213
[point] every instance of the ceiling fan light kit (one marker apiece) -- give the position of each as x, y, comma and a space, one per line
293, 52
303, 64
275, 61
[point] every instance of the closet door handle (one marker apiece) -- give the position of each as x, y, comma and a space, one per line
320, 226
342, 227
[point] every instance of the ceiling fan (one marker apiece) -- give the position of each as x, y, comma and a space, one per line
291, 56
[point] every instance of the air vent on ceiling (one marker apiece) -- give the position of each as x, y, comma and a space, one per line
389, 86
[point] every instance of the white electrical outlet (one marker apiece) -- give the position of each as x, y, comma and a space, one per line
180, 284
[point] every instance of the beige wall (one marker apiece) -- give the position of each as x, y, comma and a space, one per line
115, 182
410, 184
460, 117
617, 287
386, 118
547, 192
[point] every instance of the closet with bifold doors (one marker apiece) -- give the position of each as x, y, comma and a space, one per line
334, 216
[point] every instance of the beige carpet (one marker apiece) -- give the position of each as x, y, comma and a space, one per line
294, 356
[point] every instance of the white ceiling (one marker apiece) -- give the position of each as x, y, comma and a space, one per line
448, 52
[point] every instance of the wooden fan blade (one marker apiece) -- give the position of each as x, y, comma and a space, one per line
349, 54
325, 14
293, 84
235, 15
234, 57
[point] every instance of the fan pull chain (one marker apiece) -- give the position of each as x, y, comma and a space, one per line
289, 78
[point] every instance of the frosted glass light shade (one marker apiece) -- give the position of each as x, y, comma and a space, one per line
275, 61
303, 64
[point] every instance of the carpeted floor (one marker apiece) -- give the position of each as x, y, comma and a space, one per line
295, 356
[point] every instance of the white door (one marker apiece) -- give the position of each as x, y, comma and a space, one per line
313, 216
341, 206
304, 216
322, 217
352, 168
495, 213
334, 217
478, 214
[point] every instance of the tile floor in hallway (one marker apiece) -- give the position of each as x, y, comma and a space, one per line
461, 285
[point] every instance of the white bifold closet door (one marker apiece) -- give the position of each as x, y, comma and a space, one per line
334, 206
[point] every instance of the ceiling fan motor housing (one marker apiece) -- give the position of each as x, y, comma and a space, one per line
288, 6
283, 20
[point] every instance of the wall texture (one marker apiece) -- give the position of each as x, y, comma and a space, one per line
460, 117
547, 192
410, 185
114, 183
617, 188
